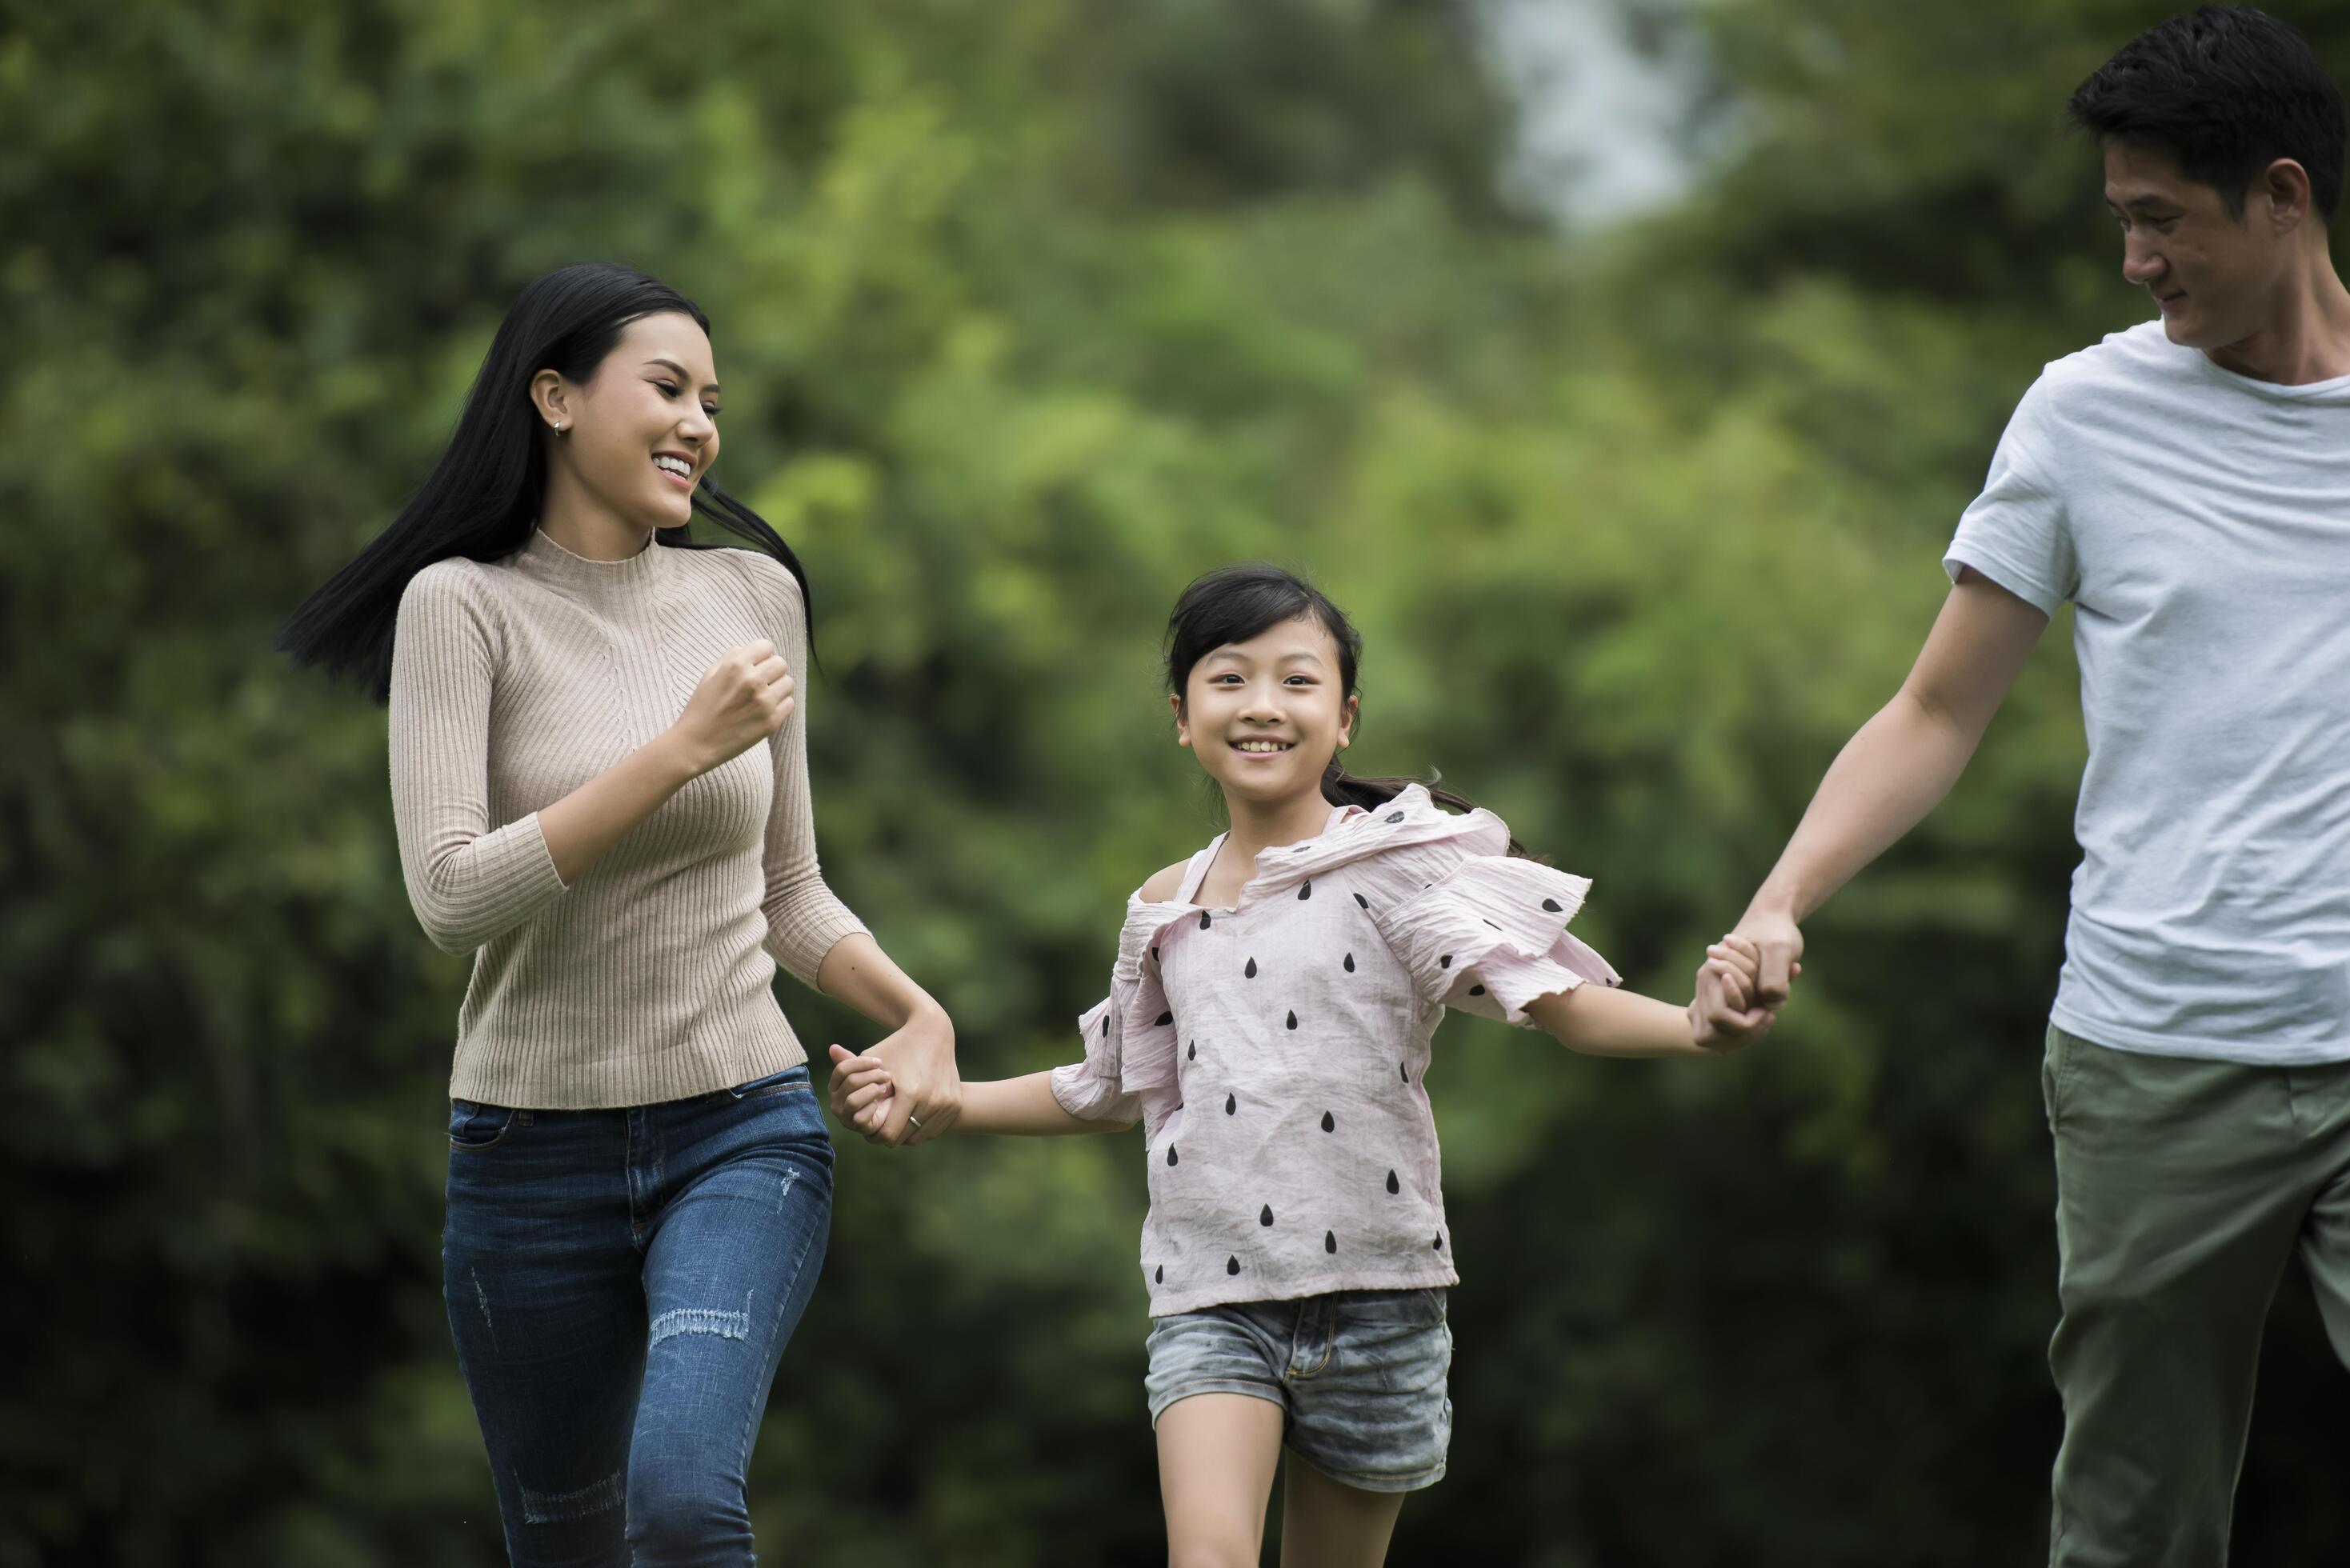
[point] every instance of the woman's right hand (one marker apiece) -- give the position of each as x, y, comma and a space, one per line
742, 699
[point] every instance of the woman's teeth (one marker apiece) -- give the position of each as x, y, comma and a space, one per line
678, 466
1267, 747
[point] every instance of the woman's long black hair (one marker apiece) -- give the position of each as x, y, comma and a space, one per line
1234, 604
482, 498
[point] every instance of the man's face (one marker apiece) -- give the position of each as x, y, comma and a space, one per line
2212, 275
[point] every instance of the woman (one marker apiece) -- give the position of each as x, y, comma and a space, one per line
599, 781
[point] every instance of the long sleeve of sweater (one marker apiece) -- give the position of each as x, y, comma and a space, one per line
468, 879
803, 916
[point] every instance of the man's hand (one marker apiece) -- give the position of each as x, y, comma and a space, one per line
1725, 1014
1779, 944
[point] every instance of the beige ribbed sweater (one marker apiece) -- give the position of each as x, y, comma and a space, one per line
651, 976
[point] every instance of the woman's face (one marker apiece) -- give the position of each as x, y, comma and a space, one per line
639, 434
1266, 716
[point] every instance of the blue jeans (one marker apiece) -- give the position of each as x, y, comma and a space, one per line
620, 1286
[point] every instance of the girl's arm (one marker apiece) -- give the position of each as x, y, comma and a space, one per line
1601, 1021
1023, 1107
1013, 1107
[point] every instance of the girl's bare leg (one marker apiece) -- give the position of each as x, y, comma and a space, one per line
1217, 1453
1325, 1524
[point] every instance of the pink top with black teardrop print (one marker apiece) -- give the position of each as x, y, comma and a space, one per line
1274, 1052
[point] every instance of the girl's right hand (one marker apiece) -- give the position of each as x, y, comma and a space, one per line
742, 699
860, 1090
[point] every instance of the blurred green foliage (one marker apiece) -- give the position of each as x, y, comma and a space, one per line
1028, 311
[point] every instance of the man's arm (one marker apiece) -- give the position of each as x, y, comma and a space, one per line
1897, 767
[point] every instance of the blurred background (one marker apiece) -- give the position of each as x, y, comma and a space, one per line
1621, 365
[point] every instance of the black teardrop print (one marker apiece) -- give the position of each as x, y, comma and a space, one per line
1490, 923
1232, 1265
1264, 1215
1444, 962
1393, 1185
1249, 972
1328, 1124
1203, 919
1476, 991
1395, 816
1438, 1245
1293, 1021
1329, 1241
1553, 906
1104, 1025
1154, 955
1232, 1104
1170, 1153
1350, 963
1363, 902
1406, 1071
1165, 1019
1161, 1277
1306, 892
1194, 1053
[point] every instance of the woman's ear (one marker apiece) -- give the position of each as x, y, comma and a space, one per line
1182, 728
1346, 721
549, 396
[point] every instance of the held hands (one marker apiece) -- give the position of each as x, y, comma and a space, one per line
905, 1090
1729, 1009
742, 699
1769, 935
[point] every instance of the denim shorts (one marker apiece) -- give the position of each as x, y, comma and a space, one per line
1358, 1374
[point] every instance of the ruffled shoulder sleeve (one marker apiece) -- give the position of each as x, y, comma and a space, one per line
1127, 1071
1478, 929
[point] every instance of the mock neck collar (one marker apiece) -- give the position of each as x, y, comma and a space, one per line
593, 582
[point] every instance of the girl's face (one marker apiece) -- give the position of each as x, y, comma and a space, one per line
1266, 716
641, 434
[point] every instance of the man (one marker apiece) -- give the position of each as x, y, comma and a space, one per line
2186, 484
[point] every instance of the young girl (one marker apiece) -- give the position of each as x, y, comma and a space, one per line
1269, 1021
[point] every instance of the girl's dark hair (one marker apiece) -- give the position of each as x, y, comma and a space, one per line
2226, 91
482, 498
1234, 604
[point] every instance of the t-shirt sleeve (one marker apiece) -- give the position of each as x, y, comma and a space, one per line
2017, 532
1127, 1073
1088, 1088
1487, 933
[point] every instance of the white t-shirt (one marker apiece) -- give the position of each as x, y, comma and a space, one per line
2200, 521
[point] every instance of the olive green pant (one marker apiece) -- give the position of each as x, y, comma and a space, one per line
2183, 1188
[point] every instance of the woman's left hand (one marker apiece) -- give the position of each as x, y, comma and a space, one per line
925, 1093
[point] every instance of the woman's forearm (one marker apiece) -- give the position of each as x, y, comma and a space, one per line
856, 971
581, 828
